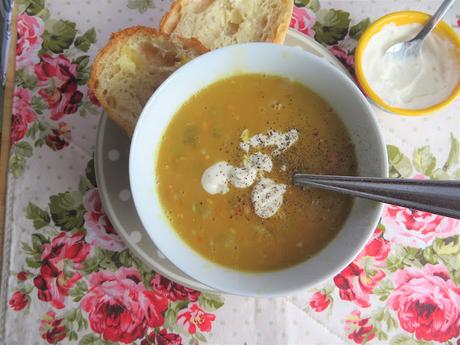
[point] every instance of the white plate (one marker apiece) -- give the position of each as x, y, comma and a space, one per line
111, 161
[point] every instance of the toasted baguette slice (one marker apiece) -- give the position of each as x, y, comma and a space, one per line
132, 65
217, 23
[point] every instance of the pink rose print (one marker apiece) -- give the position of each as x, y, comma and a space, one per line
22, 114
162, 338
377, 248
58, 76
29, 40
319, 301
196, 317
344, 57
358, 329
100, 231
303, 20
56, 278
120, 308
356, 283
427, 303
59, 137
414, 228
173, 291
52, 329
18, 301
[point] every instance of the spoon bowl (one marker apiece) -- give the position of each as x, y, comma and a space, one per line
412, 47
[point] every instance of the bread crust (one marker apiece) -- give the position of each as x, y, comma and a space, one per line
171, 18
116, 39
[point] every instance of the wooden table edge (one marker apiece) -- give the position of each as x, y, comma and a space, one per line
6, 126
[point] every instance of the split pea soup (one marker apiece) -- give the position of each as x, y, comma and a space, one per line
225, 166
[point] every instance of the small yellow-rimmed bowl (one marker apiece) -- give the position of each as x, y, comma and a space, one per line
402, 18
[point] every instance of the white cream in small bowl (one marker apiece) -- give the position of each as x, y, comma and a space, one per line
411, 85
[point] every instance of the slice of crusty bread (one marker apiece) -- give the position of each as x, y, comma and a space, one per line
217, 23
132, 65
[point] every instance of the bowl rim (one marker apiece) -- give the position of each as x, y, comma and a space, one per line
401, 18
373, 220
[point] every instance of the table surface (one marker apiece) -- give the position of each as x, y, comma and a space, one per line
63, 283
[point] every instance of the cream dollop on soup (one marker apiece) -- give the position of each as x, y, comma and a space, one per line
411, 82
267, 196
225, 165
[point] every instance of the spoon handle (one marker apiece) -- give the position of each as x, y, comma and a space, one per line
440, 197
434, 20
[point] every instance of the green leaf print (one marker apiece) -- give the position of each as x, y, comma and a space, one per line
314, 5
39, 217
331, 26
84, 41
92, 339
400, 165
38, 132
384, 289
447, 246
58, 36
82, 69
454, 154
67, 210
424, 160
440, 174
23, 148
25, 79
79, 291
37, 105
90, 174
210, 302
140, 5
17, 162
357, 30
32, 7
401, 339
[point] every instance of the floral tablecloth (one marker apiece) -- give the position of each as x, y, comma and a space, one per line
68, 278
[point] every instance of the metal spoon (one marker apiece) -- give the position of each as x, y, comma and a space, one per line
412, 47
440, 197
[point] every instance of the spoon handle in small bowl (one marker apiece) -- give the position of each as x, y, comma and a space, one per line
434, 20
440, 197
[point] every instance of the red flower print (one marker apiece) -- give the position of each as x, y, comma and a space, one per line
173, 291
415, 228
29, 32
458, 24
344, 57
58, 76
303, 20
92, 98
120, 308
355, 284
358, 329
59, 137
319, 301
377, 248
100, 231
162, 338
21, 276
52, 329
22, 114
427, 303
18, 301
58, 257
197, 317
